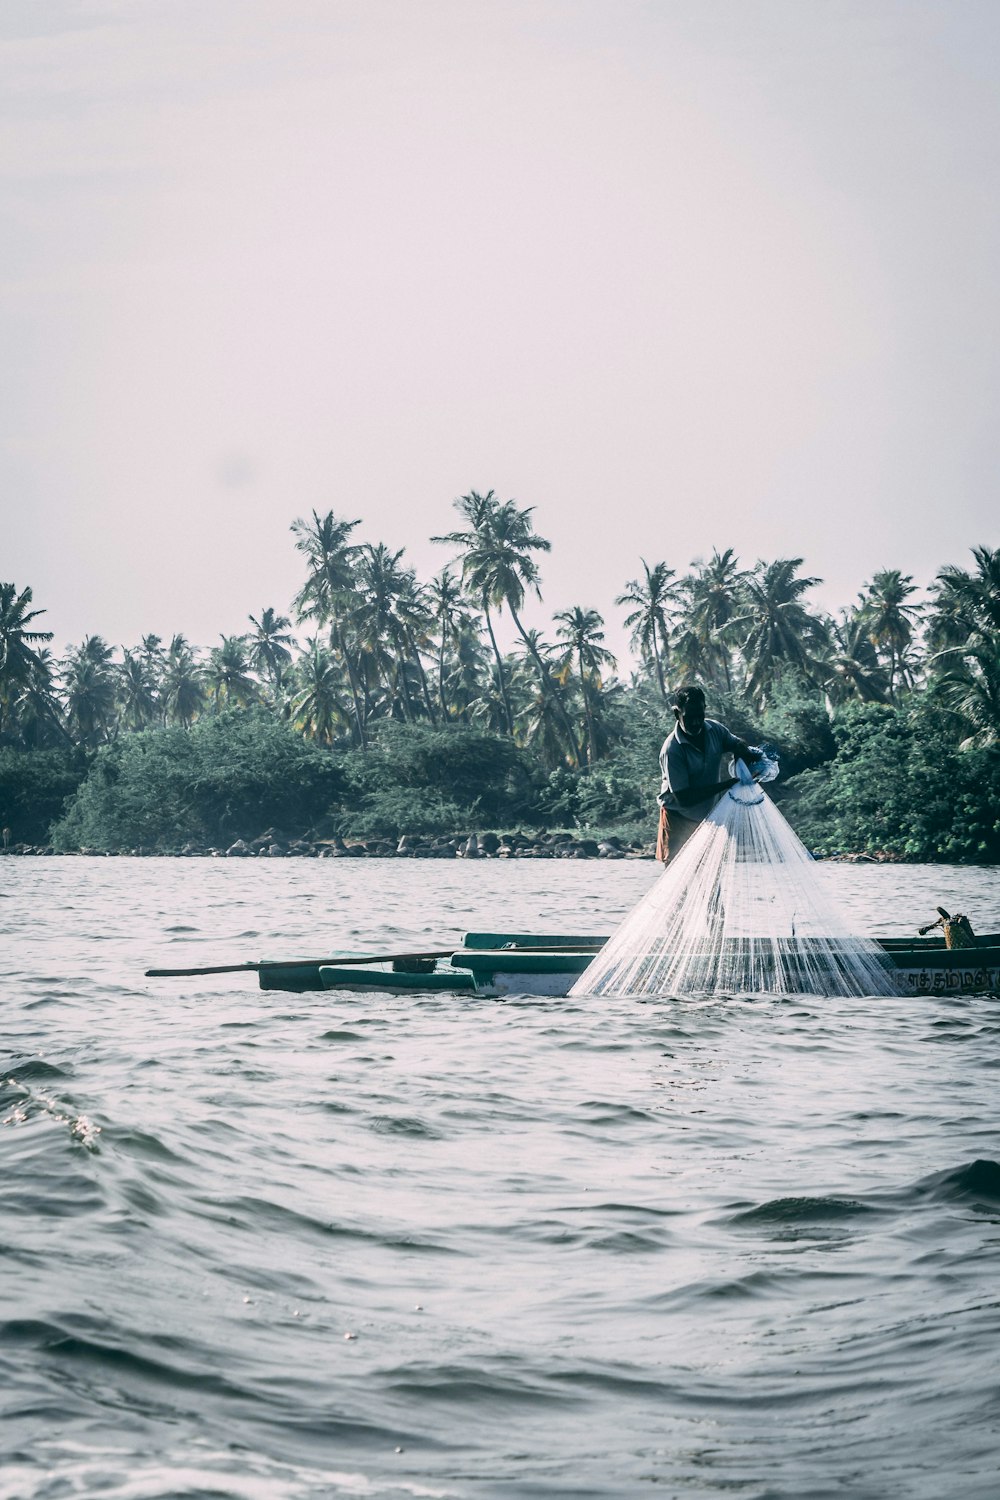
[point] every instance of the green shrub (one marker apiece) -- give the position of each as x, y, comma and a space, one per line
899, 786
420, 779
228, 777
34, 788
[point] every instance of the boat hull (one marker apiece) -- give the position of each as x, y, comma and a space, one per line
488, 967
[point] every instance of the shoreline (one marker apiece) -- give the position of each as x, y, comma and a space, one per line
554, 846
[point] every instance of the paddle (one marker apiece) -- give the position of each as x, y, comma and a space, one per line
293, 963
370, 958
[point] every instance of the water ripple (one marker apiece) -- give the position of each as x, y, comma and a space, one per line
277, 1247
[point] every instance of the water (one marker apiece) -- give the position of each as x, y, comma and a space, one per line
285, 1247
743, 909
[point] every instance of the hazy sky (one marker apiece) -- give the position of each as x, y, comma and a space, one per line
679, 273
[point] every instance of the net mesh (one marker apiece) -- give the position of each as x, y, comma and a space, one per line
741, 910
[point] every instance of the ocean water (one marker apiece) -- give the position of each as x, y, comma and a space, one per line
283, 1247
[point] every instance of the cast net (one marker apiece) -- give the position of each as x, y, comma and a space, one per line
741, 910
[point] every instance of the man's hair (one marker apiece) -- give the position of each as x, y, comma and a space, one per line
689, 693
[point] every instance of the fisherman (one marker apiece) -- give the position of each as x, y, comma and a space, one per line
694, 763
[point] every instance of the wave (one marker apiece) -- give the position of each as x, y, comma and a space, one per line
230, 1472
406, 1125
803, 1211
976, 1182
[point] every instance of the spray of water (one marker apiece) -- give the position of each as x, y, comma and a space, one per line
742, 910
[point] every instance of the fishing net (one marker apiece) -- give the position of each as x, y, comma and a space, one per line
741, 910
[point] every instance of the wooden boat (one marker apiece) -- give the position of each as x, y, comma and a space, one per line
493, 964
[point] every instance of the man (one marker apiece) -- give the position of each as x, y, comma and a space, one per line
693, 761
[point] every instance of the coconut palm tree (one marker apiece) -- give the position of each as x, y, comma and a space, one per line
581, 632
417, 619
36, 711
89, 684
137, 698
776, 630
965, 628
317, 707
473, 688
967, 681
446, 603
691, 657
498, 566
385, 604
648, 600
891, 620
540, 724
966, 602
269, 646
477, 510
228, 674
327, 596
182, 686
712, 594
853, 670
20, 663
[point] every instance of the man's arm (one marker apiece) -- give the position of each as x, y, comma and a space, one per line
739, 747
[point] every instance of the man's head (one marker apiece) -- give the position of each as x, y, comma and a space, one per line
689, 709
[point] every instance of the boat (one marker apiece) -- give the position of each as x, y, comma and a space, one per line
494, 964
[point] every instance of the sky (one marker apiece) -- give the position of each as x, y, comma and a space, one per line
681, 274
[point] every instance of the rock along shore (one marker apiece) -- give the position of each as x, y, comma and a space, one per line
273, 845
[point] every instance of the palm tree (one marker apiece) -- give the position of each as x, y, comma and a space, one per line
20, 664
580, 630
385, 607
182, 686
967, 602
228, 673
852, 665
890, 620
445, 601
317, 708
137, 700
478, 511
417, 619
777, 629
472, 681
965, 627
36, 711
538, 717
89, 686
498, 567
649, 599
327, 594
269, 646
967, 681
691, 657
713, 593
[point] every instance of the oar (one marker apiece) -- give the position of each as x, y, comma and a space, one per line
292, 963
371, 958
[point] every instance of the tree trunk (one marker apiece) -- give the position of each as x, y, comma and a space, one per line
425, 690
543, 676
659, 664
342, 648
503, 681
588, 717
444, 702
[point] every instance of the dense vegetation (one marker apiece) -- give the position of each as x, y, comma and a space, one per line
397, 709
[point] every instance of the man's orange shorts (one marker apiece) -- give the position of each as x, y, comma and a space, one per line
672, 834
